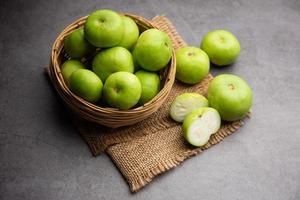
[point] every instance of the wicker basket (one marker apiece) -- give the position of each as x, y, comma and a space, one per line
110, 117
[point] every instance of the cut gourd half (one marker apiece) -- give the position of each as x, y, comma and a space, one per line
186, 103
200, 124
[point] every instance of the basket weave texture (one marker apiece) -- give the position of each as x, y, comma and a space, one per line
154, 145
110, 117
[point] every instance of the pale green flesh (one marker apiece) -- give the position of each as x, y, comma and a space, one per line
202, 128
186, 103
198, 133
212, 121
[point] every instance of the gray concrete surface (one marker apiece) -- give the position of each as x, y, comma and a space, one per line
42, 157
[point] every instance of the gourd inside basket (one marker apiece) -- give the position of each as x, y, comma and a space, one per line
101, 113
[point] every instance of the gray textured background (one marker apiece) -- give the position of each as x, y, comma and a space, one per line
43, 157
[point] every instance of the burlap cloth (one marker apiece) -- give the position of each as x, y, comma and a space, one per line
155, 145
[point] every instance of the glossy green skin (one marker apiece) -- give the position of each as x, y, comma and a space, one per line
86, 84
150, 85
76, 45
230, 95
104, 28
187, 101
192, 65
191, 117
221, 46
112, 60
136, 65
153, 50
131, 33
122, 90
69, 67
